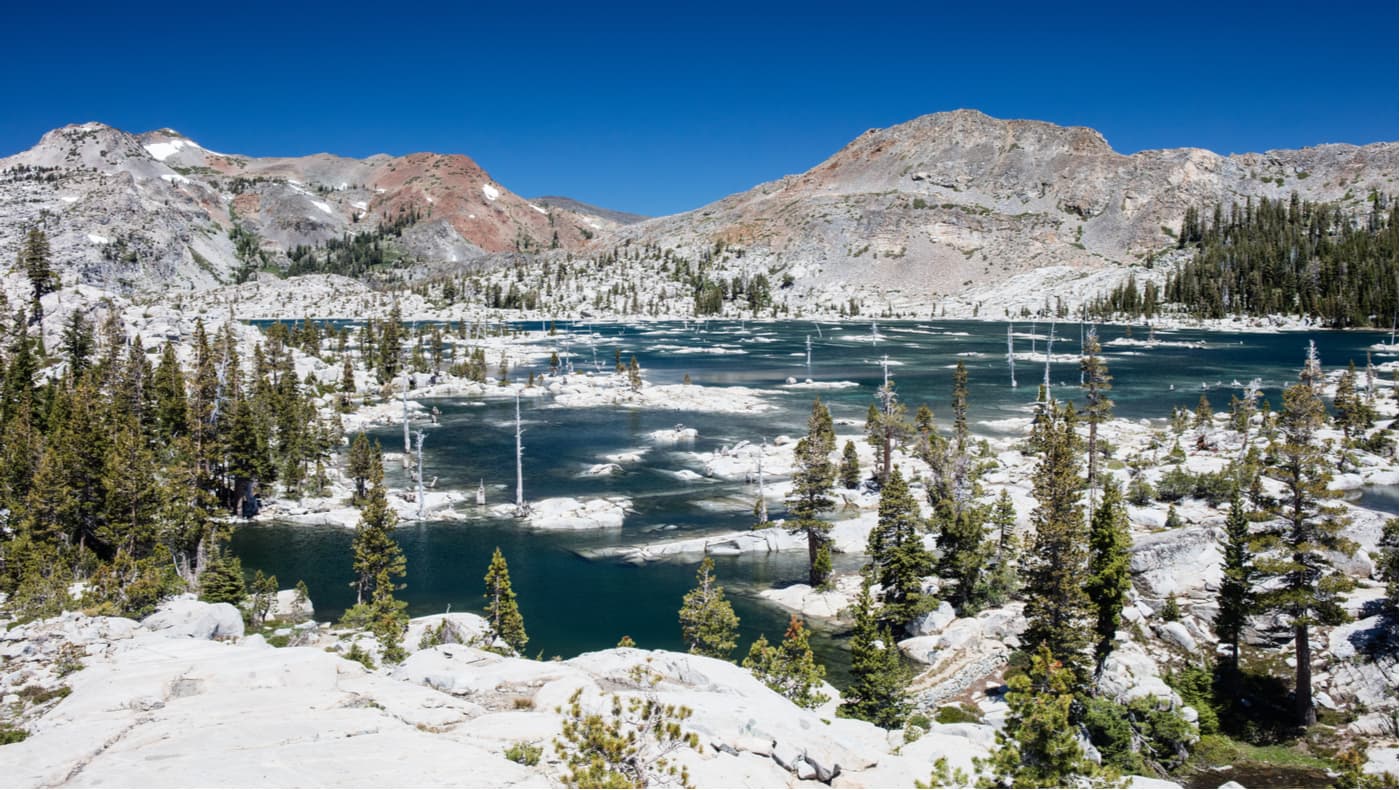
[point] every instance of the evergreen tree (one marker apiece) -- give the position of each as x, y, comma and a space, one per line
709, 626
878, 673
811, 488
1097, 406
1354, 414
1204, 415
1058, 610
378, 559
789, 668
1003, 580
898, 558
172, 409
1386, 561
1311, 590
1109, 572
78, 342
502, 611
1236, 596
1295, 257
1038, 746
36, 262
361, 462
347, 377
960, 406
634, 375
885, 426
222, 580
850, 466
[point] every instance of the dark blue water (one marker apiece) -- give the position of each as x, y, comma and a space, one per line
572, 604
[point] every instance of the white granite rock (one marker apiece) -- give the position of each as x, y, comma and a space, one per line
187, 617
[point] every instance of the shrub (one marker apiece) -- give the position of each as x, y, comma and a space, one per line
9, 735
958, 714
524, 753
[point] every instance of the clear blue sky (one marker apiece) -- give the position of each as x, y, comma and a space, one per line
658, 108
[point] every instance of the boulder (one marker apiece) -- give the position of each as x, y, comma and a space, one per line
1176, 562
292, 607
933, 622
1176, 633
187, 617
1129, 673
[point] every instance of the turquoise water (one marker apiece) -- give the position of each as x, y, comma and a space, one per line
572, 604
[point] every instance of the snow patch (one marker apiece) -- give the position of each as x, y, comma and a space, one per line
490, 192
324, 206
360, 204
163, 151
96, 239
537, 208
175, 178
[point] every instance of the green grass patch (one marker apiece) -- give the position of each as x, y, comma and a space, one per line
10, 734
958, 714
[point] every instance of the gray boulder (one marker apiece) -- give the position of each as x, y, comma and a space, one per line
187, 617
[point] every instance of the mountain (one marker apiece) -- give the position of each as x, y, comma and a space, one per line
956, 199
131, 212
947, 203
579, 207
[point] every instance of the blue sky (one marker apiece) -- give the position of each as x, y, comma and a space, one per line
662, 107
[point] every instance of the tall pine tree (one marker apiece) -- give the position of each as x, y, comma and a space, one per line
709, 626
502, 611
1058, 611
1310, 593
812, 481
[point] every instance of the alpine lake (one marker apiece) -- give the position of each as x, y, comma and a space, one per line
573, 604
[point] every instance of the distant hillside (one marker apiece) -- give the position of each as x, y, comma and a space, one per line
959, 199
950, 203
128, 211
579, 207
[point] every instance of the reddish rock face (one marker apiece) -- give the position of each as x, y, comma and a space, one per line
455, 188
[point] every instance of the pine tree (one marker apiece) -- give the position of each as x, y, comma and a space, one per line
634, 375
1038, 746
347, 377
790, 668
811, 488
850, 466
36, 262
886, 426
1354, 414
1312, 587
502, 611
78, 342
361, 462
1003, 580
172, 409
1204, 415
1109, 572
1058, 610
378, 559
1097, 406
222, 580
898, 558
1386, 562
960, 406
878, 673
1236, 596
709, 626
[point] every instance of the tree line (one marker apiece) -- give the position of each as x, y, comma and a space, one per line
1290, 257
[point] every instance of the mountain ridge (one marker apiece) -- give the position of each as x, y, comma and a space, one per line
937, 204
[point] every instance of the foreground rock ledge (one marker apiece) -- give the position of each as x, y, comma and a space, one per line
161, 708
